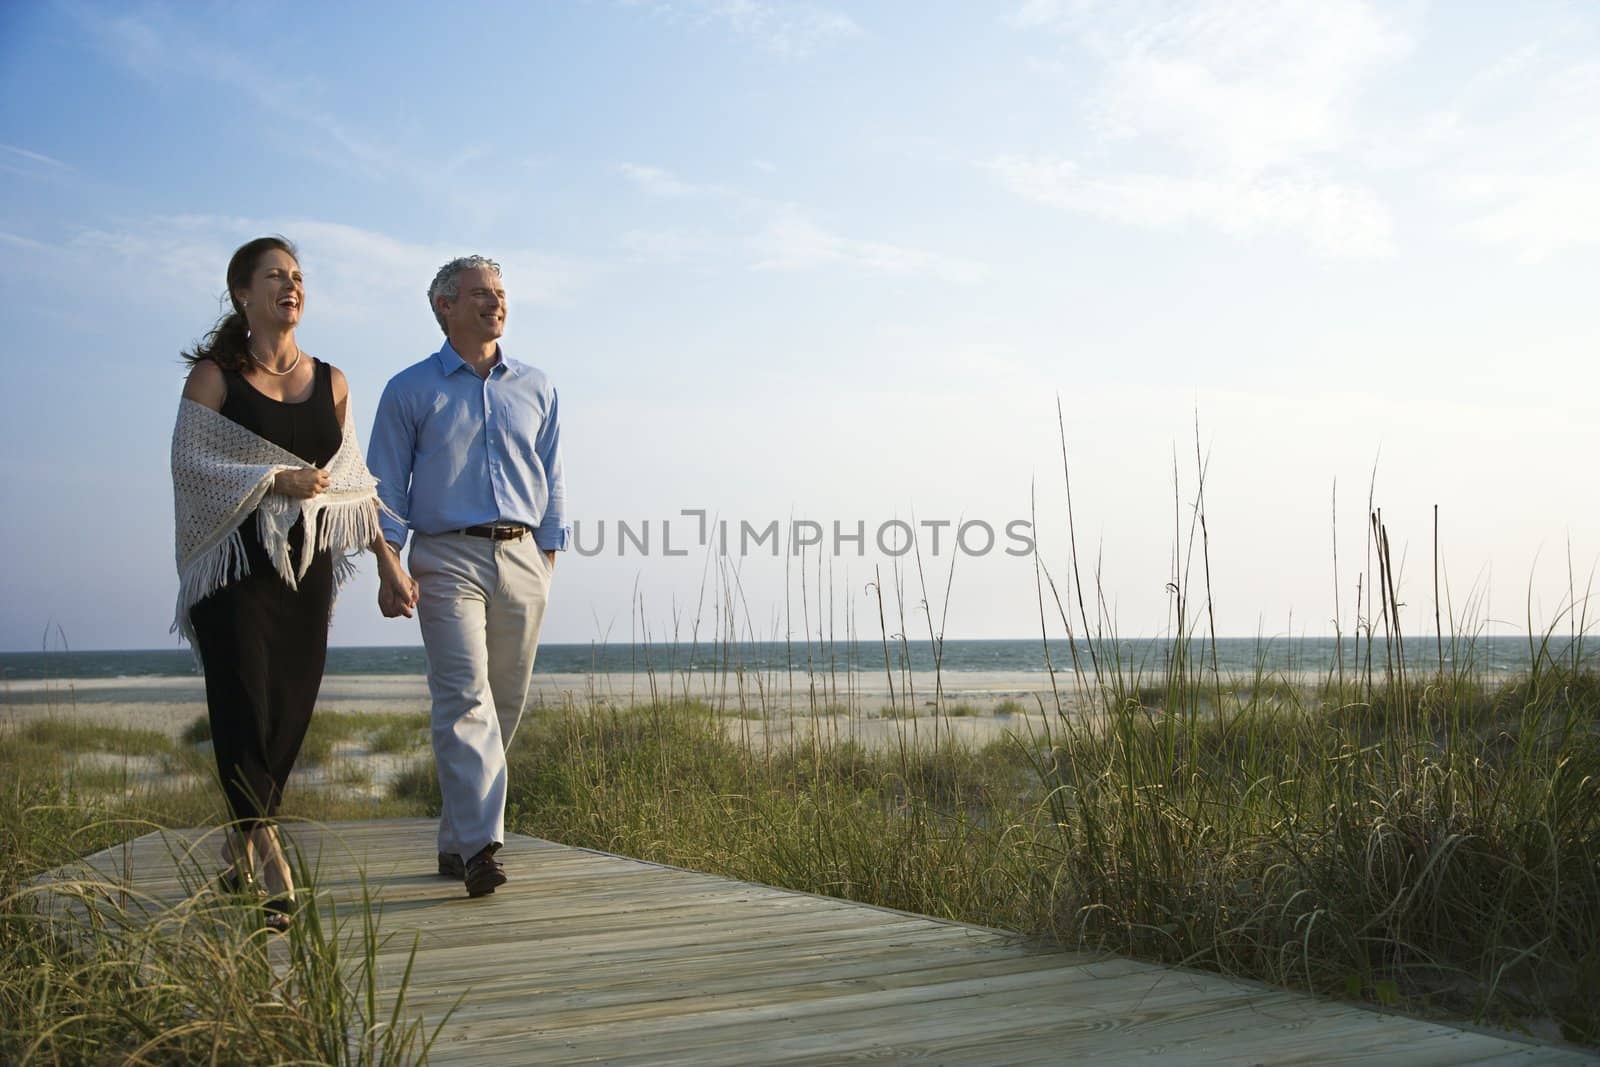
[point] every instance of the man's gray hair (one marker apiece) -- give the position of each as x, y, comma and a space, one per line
445, 283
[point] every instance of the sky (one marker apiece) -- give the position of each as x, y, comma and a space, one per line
806, 264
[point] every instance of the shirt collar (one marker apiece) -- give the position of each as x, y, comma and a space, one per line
450, 361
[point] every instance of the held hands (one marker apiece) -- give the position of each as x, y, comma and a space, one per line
300, 484
397, 597
397, 590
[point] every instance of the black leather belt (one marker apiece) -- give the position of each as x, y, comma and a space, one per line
497, 531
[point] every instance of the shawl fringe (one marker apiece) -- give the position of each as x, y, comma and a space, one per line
221, 472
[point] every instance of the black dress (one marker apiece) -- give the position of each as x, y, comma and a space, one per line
262, 644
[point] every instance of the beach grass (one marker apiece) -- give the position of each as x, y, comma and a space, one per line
1434, 851
398, 734
87, 975
57, 735
1428, 846
368, 731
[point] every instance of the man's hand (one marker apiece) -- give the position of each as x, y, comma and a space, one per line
550, 557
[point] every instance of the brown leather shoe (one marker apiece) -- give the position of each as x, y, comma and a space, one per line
451, 865
484, 874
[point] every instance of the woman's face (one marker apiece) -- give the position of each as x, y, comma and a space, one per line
277, 293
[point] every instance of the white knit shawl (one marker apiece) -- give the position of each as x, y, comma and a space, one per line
222, 471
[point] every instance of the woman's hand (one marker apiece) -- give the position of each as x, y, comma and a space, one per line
300, 484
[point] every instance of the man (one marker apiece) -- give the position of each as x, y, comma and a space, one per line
466, 448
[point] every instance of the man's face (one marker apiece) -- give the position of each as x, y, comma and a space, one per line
477, 314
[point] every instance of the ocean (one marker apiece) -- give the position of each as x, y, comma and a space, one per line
1491, 655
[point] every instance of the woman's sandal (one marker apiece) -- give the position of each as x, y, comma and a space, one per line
278, 912
233, 882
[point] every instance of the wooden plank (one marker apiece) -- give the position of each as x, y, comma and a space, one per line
588, 957
874, 981
566, 994
871, 1020
1045, 1043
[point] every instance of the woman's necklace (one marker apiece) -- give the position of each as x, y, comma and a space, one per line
279, 373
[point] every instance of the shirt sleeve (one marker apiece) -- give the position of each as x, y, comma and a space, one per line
553, 532
389, 455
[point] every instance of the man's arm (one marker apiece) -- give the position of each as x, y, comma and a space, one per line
389, 458
553, 531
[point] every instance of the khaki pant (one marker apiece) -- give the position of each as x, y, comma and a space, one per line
480, 606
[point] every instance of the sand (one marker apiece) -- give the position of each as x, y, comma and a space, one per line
757, 706
759, 709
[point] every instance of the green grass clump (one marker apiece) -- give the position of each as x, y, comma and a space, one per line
327, 729
1428, 841
666, 784
66, 734
417, 783
400, 734
371, 731
377, 732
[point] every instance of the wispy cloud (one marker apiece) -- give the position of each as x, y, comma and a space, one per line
353, 258
792, 30
674, 245
773, 235
789, 29
35, 157
1238, 85
1339, 220
160, 48
1527, 175
1236, 110
791, 241
18, 241
657, 182
1535, 215
352, 274
663, 184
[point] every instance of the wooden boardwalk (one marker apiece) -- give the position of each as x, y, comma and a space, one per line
586, 957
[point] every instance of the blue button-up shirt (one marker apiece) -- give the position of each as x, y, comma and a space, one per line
451, 449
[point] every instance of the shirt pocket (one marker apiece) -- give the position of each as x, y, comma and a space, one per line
519, 423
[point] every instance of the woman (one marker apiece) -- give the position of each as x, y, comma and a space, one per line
271, 494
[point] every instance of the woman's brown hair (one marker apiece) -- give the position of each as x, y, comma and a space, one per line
228, 343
